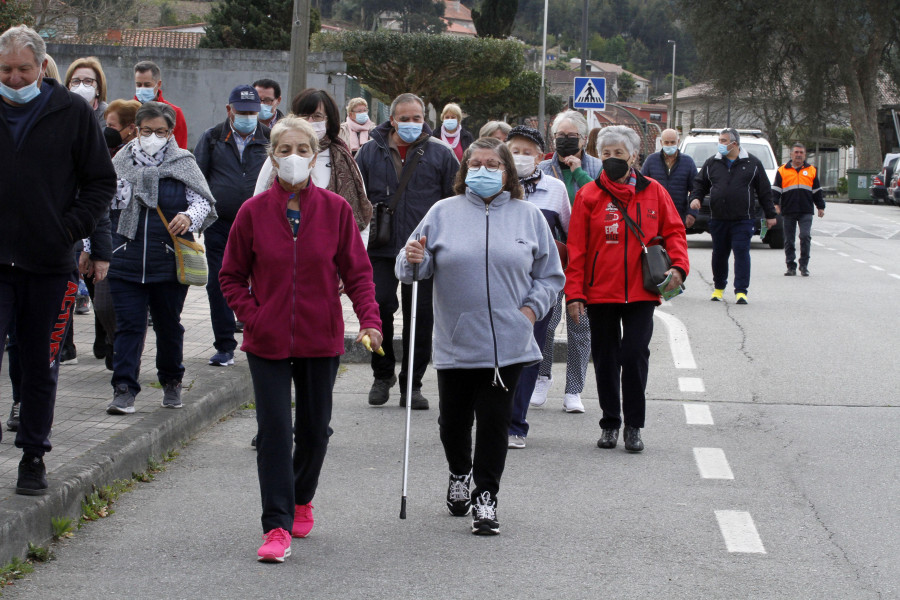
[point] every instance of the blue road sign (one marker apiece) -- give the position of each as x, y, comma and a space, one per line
590, 92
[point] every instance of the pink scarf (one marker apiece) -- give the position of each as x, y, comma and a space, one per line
454, 140
362, 133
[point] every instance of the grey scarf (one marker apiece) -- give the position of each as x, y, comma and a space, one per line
144, 179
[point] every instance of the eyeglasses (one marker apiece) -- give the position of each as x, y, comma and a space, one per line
314, 118
160, 133
568, 136
86, 81
492, 165
267, 101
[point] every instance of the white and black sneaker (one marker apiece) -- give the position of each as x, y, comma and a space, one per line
484, 515
459, 498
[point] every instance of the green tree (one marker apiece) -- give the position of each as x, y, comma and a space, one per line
627, 86
518, 100
439, 68
495, 18
253, 24
415, 16
12, 13
835, 46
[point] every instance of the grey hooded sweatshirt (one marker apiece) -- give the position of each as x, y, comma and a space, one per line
488, 261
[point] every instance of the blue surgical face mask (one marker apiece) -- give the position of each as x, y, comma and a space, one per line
246, 124
145, 94
723, 148
266, 112
23, 95
409, 132
483, 182
670, 150
361, 118
451, 124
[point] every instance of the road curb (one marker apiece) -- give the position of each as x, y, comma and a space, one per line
25, 519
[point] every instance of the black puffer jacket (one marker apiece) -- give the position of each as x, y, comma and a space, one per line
431, 181
734, 192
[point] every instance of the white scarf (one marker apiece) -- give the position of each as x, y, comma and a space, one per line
445, 136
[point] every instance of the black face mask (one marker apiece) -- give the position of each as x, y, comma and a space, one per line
113, 137
615, 168
567, 147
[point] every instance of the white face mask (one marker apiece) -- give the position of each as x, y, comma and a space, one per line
86, 92
293, 169
524, 164
152, 144
319, 127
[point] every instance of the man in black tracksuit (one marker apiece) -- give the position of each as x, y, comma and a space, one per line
57, 181
735, 181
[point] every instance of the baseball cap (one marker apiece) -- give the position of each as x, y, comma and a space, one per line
244, 98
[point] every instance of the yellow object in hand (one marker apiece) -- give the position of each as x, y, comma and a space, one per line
367, 342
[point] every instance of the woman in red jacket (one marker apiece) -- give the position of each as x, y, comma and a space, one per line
292, 241
604, 278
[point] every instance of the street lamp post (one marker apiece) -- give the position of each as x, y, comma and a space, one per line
671, 119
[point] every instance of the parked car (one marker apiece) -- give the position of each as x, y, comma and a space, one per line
882, 181
700, 144
893, 190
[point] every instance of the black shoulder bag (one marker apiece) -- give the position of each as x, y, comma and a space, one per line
382, 229
655, 260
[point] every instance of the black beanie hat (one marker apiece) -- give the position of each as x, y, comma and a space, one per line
527, 132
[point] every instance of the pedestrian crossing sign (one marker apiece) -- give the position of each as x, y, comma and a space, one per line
590, 92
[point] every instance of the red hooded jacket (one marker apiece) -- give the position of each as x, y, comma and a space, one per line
605, 257
293, 308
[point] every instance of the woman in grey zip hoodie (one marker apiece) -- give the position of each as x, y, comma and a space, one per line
496, 271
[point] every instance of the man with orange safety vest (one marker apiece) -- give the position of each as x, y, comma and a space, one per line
795, 191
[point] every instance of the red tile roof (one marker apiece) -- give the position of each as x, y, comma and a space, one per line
142, 38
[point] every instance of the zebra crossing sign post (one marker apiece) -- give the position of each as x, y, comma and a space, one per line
590, 93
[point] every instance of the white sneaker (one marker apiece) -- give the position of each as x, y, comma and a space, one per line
516, 441
572, 403
541, 389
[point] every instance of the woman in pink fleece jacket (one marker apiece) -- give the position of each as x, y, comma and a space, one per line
293, 242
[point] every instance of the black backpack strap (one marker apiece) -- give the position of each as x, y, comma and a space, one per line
405, 176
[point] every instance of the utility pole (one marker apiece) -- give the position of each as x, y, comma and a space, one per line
584, 39
542, 102
671, 118
299, 48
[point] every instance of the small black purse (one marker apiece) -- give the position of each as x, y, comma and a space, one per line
382, 231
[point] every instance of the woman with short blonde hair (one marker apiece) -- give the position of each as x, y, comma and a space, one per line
355, 129
451, 130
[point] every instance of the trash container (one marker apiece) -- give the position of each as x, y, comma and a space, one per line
858, 183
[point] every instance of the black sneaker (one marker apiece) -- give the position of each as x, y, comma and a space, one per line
68, 357
12, 424
790, 272
380, 392
419, 402
484, 515
633, 441
459, 498
32, 476
804, 271
172, 395
608, 438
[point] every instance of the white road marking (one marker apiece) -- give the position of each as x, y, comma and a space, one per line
679, 343
712, 463
739, 532
895, 276
859, 260
876, 267
691, 384
697, 414
843, 254
815, 243
829, 248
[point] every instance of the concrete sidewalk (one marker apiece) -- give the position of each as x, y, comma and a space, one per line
92, 449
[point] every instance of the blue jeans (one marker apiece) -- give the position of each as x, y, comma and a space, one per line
222, 317
165, 301
790, 231
518, 425
731, 237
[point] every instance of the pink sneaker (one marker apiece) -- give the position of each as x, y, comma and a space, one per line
277, 546
303, 520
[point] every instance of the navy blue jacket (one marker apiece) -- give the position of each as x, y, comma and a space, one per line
230, 175
54, 185
735, 190
431, 181
679, 182
149, 257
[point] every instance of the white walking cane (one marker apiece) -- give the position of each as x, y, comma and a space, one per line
409, 381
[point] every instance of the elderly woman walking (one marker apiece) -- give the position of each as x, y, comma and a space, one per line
161, 192
356, 127
575, 168
452, 131
292, 241
496, 272
604, 278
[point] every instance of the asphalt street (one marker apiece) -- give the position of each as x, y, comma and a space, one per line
770, 470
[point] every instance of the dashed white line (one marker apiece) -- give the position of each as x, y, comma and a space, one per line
830, 248
895, 276
712, 464
859, 260
815, 243
679, 343
739, 532
843, 254
876, 267
697, 414
691, 384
